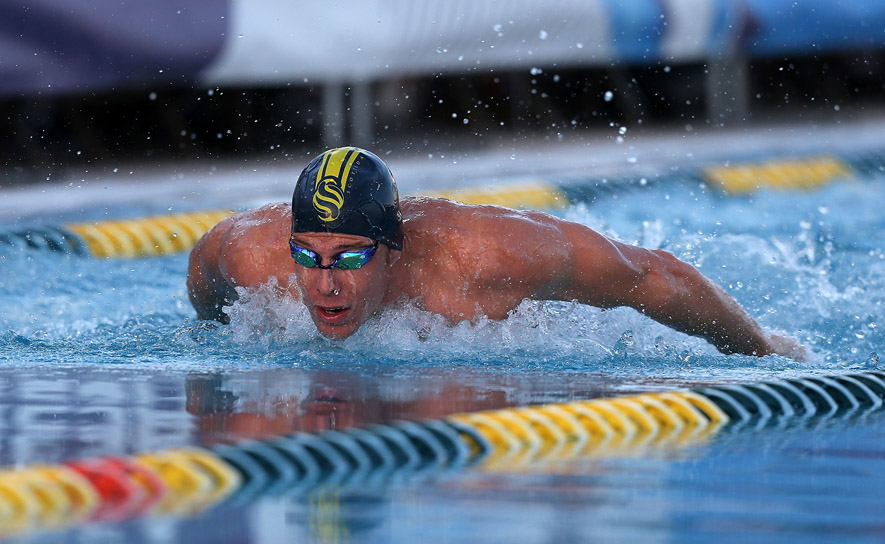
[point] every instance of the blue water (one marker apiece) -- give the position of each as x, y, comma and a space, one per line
806, 264
104, 356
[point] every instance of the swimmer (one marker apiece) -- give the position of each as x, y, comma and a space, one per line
347, 246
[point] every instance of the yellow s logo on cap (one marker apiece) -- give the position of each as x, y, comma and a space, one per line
331, 182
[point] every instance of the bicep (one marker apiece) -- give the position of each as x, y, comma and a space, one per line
606, 273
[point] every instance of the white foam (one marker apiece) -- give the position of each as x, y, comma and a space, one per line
263, 320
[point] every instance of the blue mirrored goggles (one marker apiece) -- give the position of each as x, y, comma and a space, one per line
347, 260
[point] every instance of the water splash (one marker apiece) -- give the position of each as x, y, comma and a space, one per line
815, 275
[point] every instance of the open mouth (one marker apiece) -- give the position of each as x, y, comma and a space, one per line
332, 315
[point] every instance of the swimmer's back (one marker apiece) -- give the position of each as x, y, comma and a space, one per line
465, 260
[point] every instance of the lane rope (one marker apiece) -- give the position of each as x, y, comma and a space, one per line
186, 481
173, 233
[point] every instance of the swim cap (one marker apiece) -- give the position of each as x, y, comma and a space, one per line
348, 190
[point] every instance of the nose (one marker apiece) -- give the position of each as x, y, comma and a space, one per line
326, 283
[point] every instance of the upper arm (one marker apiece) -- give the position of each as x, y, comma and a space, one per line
244, 250
533, 254
207, 287
599, 271
603, 272
608, 273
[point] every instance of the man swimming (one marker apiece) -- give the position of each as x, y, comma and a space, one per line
347, 247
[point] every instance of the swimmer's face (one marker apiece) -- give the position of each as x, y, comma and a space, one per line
360, 292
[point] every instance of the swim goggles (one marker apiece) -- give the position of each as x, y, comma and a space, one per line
347, 260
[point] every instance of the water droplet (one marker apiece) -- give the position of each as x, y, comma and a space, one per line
152, 96
622, 130
536, 71
608, 96
542, 34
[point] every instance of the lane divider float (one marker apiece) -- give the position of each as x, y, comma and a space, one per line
173, 233
187, 481
792, 174
139, 237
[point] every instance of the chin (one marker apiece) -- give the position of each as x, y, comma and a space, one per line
336, 332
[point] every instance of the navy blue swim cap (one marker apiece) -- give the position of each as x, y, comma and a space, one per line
348, 190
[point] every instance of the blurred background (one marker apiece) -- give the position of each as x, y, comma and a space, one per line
96, 84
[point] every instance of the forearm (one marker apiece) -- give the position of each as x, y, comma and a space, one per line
608, 274
711, 313
693, 304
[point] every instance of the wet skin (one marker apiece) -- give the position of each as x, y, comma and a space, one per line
463, 262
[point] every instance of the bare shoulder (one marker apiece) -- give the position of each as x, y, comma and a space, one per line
249, 247
487, 243
244, 250
476, 226
264, 225
483, 223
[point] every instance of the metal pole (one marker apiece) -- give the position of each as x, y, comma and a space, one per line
333, 115
362, 114
727, 90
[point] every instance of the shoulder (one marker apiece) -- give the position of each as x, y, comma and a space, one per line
485, 225
488, 243
243, 230
249, 247
266, 219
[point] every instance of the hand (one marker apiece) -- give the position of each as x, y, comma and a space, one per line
786, 346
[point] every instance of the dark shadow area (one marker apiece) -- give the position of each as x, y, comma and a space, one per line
42, 137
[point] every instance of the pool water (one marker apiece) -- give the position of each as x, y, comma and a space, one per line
103, 357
